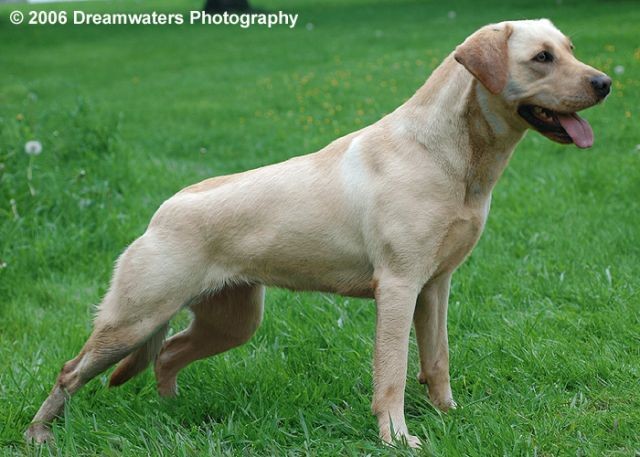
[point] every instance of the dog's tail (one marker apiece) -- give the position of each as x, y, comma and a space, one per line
138, 360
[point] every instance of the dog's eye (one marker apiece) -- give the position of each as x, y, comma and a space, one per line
543, 56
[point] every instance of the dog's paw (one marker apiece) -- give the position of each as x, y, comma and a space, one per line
168, 389
38, 434
167, 383
444, 404
439, 393
403, 439
412, 441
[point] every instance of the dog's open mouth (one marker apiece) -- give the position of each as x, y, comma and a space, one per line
561, 127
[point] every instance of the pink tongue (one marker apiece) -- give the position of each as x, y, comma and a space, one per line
578, 129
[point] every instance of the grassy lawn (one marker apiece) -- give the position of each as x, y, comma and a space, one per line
544, 318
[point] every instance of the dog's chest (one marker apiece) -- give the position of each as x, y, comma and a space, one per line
460, 238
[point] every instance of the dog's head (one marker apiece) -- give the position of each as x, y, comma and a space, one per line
531, 66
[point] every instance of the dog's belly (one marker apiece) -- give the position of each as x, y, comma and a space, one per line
327, 269
349, 286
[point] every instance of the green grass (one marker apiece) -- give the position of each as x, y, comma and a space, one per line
544, 317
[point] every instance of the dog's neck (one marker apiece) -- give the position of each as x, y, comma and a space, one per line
453, 113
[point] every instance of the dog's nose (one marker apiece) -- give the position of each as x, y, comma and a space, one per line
601, 84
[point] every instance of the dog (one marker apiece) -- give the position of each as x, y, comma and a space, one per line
387, 212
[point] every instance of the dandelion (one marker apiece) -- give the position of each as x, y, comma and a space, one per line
14, 208
618, 69
33, 147
3, 264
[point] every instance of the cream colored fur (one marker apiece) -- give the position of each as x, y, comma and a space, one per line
388, 212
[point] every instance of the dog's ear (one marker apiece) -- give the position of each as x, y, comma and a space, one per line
486, 55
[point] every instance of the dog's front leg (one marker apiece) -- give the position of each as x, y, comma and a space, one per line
431, 333
395, 300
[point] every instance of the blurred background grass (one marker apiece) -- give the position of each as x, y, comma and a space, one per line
544, 318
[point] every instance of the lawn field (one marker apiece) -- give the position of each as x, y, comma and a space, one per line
544, 317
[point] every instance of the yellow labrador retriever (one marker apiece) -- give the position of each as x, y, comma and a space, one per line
388, 212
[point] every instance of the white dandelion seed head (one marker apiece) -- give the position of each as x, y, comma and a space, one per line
618, 69
33, 147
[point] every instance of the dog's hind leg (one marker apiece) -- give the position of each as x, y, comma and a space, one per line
221, 322
143, 296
